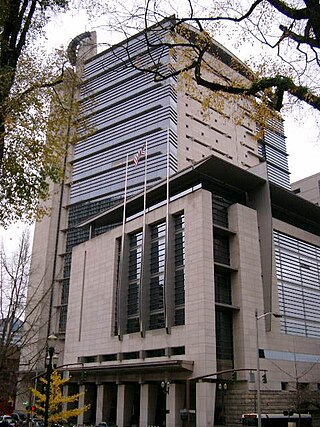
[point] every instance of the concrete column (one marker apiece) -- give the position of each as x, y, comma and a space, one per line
82, 389
100, 399
124, 406
175, 402
148, 402
205, 402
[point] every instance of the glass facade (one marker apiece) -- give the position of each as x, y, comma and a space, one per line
75, 236
134, 275
152, 299
179, 262
157, 275
221, 200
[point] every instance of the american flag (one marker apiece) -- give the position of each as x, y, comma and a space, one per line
136, 158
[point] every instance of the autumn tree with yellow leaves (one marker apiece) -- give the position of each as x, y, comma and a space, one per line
37, 106
58, 402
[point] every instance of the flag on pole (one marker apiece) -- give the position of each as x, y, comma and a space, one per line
136, 158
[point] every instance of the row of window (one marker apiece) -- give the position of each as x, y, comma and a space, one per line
128, 355
222, 281
75, 236
158, 281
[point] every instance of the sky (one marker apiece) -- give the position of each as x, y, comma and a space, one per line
303, 136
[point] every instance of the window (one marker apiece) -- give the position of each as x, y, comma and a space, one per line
157, 271
158, 352
179, 261
224, 335
222, 282
130, 355
118, 248
154, 295
134, 271
177, 351
221, 200
221, 249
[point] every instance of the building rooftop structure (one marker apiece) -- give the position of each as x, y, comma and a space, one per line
308, 188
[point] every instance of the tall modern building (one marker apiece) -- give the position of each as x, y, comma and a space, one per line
168, 312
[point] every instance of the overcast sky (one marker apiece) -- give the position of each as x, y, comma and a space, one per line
303, 142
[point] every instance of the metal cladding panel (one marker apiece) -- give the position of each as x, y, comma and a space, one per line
273, 149
114, 94
277, 158
112, 182
101, 161
298, 273
275, 140
278, 176
136, 102
122, 131
122, 108
118, 54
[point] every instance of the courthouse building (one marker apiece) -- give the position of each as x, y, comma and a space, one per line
160, 315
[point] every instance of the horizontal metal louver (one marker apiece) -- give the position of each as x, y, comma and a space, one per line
298, 275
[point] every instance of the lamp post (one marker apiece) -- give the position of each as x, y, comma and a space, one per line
165, 385
50, 342
223, 389
258, 361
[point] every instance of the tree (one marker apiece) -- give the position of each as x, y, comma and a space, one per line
35, 115
303, 394
19, 317
291, 30
57, 413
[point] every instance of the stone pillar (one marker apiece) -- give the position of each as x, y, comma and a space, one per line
82, 389
205, 403
175, 402
100, 399
148, 402
124, 406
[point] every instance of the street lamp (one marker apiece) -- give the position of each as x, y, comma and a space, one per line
165, 385
258, 360
223, 389
50, 343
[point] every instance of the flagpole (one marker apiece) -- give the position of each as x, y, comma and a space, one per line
120, 280
165, 288
145, 182
142, 275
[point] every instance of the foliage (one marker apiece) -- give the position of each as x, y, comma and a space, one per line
287, 30
37, 139
28, 82
57, 400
